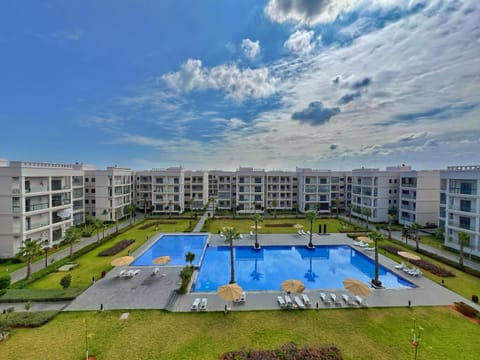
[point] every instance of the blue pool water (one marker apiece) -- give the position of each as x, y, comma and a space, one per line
321, 268
175, 246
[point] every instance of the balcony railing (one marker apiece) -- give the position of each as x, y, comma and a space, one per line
60, 202
36, 189
33, 207
36, 225
457, 224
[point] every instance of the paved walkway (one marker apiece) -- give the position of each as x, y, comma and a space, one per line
440, 252
201, 222
65, 252
146, 291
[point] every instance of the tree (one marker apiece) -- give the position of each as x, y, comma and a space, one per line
170, 208
130, 209
295, 206
105, 212
274, 206
350, 207
337, 206
311, 216
415, 227
97, 225
376, 236
440, 233
367, 213
231, 234
463, 240
190, 257
257, 218
118, 213
213, 201
71, 235
391, 216
234, 207
28, 251
191, 202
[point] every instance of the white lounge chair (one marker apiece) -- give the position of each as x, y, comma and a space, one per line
155, 271
303, 232
195, 304
135, 272
252, 234
400, 266
299, 232
306, 300
324, 298
368, 248
299, 302
241, 299
288, 300
203, 304
222, 236
281, 302
346, 298
240, 236
335, 299
359, 300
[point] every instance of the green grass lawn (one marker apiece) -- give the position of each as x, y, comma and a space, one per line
359, 333
90, 264
245, 225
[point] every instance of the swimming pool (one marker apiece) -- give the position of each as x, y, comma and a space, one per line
176, 246
324, 267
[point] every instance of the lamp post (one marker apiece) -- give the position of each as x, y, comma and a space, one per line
46, 255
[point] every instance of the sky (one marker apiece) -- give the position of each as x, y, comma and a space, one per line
273, 84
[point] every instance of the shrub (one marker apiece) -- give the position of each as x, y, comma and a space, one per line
288, 351
279, 225
66, 281
28, 319
155, 223
4, 281
434, 269
390, 248
115, 249
185, 276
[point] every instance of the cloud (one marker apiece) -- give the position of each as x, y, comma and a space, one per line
361, 83
345, 99
300, 42
238, 84
250, 48
315, 113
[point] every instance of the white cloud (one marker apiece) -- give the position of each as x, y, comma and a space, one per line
312, 12
300, 42
237, 83
251, 49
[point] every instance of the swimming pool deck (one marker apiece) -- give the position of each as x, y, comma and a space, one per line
147, 291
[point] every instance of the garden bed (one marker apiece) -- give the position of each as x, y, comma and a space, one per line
156, 223
115, 249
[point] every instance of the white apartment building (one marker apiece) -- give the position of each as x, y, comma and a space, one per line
161, 190
281, 189
460, 205
38, 201
376, 190
418, 197
195, 189
108, 193
222, 189
250, 190
314, 190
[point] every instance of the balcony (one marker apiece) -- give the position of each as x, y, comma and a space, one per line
36, 189
36, 225
34, 207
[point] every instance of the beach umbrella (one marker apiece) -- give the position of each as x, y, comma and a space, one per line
408, 255
230, 292
162, 260
122, 261
293, 286
356, 287
258, 227
298, 226
365, 239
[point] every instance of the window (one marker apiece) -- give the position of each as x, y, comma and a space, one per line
464, 222
87, 191
87, 201
93, 191
93, 201
86, 179
93, 179
465, 205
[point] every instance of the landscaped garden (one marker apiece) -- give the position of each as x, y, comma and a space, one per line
358, 333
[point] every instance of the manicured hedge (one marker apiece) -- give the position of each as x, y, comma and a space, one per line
115, 249
28, 319
155, 223
466, 309
288, 351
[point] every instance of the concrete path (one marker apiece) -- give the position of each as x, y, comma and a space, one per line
440, 252
201, 222
65, 252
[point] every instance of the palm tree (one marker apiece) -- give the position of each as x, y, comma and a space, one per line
117, 216
415, 227
191, 202
231, 234
350, 207
463, 240
310, 216
295, 206
257, 218
28, 250
390, 219
189, 257
130, 209
234, 206
274, 206
337, 206
170, 207
367, 213
97, 225
105, 212
376, 236
72, 234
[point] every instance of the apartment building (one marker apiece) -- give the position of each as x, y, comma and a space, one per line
460, 206
377, 191
108, 193
38, 201
162, 190
195, 189
418, 197
281, 190
314, 190
250, 190
222, 189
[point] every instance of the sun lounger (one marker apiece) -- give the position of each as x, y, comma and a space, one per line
308, 232
123, 273
400, 266
195, 304
299, 232
335, 299
281, 302
368, 248
359, 300
241, 299
288, 300
155, 271
306, 300
240, 236
203, 304
135, 272
303, 232
299, 302
252, 234
346, 299
324, 298
221, 235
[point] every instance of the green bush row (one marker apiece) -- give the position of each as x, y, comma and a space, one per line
22, 295
28, 319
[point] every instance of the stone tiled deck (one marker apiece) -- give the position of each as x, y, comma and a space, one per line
145, 291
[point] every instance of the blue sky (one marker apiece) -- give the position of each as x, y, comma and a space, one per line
272, 84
